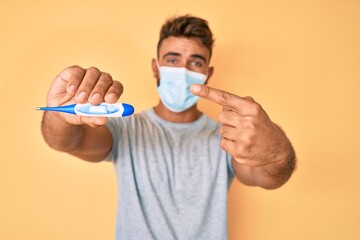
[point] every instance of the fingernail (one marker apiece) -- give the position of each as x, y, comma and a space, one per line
95, 97
195, 88
81, 96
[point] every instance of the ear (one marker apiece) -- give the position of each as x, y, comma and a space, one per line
155, 68
210, 73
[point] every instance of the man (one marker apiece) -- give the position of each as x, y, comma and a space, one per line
174, 165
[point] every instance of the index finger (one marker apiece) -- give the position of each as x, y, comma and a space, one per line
218, 96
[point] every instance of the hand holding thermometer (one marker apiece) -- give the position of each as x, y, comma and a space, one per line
102, 110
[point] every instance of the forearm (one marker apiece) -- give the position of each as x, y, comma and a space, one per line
59, 134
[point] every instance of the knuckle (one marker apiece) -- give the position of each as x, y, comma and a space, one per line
205, 91
75, 69
117, 86
223, 144
249, 124
225, 97
257, 108
68, 72
221, 130
107, 77
93, 70
221, 117
251, 99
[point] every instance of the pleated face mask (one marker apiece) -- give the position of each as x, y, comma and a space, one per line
174, 88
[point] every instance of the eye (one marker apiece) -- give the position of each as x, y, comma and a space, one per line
172, 61
196, 63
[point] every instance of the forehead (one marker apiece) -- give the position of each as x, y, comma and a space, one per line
186, 47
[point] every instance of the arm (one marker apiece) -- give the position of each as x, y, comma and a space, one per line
261, 153
84, 142
272, 175
83, 137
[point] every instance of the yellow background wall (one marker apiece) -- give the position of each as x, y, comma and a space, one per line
299, 59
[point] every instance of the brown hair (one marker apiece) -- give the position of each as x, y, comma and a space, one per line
189, 27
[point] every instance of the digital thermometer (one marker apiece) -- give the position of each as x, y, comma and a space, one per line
101, 110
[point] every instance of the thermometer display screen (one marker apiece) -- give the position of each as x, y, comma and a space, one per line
97, 110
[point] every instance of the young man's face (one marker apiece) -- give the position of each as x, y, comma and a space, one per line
183, 52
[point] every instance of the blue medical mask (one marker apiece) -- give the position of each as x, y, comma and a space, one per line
174, 88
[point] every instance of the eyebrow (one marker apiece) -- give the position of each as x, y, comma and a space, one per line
178, 54
171, 54
199, 56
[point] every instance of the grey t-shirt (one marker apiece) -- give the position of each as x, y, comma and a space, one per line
173, 178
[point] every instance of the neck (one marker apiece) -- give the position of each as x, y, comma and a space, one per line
187, 116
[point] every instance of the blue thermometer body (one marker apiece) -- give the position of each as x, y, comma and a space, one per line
101, 110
